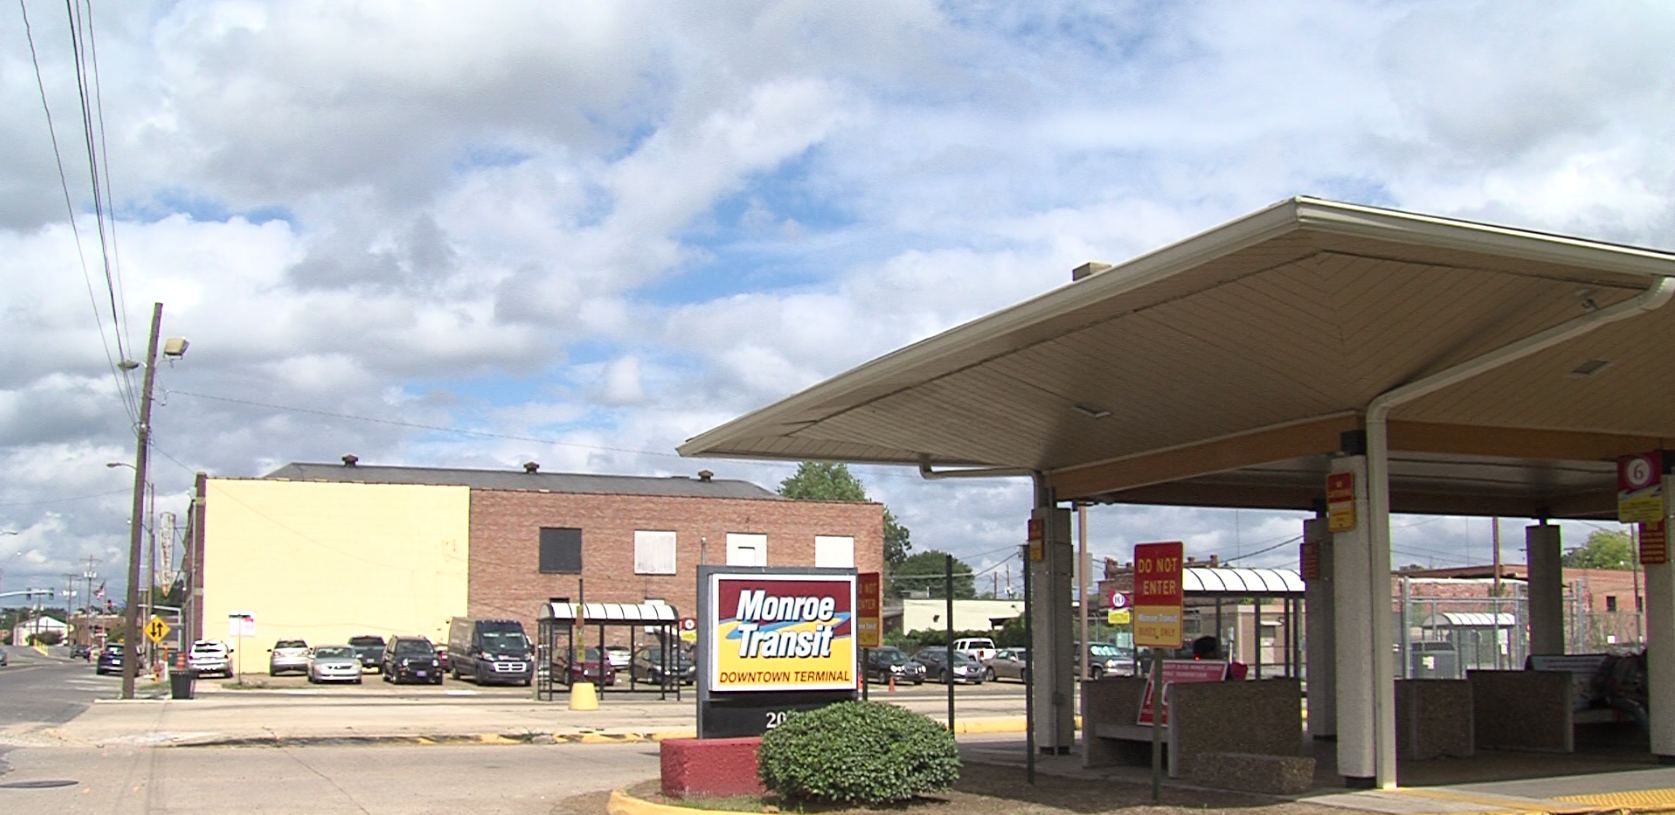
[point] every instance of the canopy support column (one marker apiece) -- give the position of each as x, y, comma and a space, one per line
1544, 552
1320, 667
1660, 644
1052, 672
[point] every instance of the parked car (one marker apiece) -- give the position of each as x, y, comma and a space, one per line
981, 649
486, 650
935, 661
210, 657
288, 655
110, 660
80, 650
370, 648
1007, 664
1109, 660
619, 656
334, 663
884, 662
442, 656
591, 667
411, 658
4, 660
652, 662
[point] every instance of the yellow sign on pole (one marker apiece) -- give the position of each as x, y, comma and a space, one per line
156, 629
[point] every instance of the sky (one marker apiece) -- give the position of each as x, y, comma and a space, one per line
474, 235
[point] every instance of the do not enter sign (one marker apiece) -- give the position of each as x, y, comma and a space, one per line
1158, 594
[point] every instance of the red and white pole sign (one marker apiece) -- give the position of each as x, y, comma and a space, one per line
1340, 501
1158, 594
869, 610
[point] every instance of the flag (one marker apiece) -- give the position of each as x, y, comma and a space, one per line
101, 591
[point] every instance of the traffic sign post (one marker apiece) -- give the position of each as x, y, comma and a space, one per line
1158, 596
156, 629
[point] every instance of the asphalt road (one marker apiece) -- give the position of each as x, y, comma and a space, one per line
37, 691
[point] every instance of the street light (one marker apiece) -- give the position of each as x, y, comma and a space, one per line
175, 349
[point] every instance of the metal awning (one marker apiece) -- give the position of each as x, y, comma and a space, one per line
1227, 369
1469, 619
607, 613
1219, 582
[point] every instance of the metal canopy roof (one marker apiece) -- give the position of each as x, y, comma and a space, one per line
1241, 582
1470, 619
608, 613
1225, 370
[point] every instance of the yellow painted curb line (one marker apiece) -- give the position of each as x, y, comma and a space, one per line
621, 803
1489, 800
1659, 799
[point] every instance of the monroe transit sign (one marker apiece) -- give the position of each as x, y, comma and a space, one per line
782, 633
772, 640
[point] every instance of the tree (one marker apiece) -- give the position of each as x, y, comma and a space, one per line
826, 481
1605, 549
925, 572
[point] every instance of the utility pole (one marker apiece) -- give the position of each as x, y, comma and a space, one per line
131, 628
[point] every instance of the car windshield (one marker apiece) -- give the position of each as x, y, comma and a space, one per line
980, 644
366, 642
290, 644
1107, 651
206, 648
892, 657
412, 648
656, 657
503, 642
334, 652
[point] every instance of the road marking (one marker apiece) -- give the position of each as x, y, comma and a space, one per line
1658, 798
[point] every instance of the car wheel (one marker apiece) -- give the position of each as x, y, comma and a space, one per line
1097, 673
456, 673
989, 674
943, 678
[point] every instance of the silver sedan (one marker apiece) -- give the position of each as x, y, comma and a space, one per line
334, 663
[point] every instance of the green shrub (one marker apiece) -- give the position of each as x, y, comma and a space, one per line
858, 753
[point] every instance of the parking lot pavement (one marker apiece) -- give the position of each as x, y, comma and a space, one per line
288, 709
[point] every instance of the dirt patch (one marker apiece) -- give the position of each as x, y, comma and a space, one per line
986, 789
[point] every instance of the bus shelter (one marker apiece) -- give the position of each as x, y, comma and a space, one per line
561, 629
1424, 365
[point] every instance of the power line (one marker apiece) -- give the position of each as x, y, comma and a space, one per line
123, 387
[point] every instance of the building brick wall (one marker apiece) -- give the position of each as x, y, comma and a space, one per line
505, 580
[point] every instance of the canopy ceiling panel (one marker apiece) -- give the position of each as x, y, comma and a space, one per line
1294, 315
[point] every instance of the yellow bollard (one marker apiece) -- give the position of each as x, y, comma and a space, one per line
583, 696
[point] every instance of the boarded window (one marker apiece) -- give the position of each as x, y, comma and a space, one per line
561, 550
834, 551
747, 549
654, 552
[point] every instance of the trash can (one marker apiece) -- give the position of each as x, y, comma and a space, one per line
183, 684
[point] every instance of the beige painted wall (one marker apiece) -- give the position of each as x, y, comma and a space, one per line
325, 561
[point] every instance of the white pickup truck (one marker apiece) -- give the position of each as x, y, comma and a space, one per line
981, 649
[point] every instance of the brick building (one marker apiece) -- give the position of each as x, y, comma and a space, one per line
324, 552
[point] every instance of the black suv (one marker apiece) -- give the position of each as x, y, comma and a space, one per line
411, 658
110, 660
370, 649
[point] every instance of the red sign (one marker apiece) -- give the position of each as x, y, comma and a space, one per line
1640, 487
1654, 543
1119, 600
1340, 487
1309, 555
1158, 594
869, 604
1181, 670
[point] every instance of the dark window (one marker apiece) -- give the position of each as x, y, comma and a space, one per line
1640, 604
1610, 602
561, 550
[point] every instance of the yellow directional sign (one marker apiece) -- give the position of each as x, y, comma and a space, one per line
156, 629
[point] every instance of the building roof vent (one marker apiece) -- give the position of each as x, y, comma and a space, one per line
349, 460
530, 466
705, 475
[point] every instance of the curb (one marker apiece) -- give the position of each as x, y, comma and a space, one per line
621, 803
